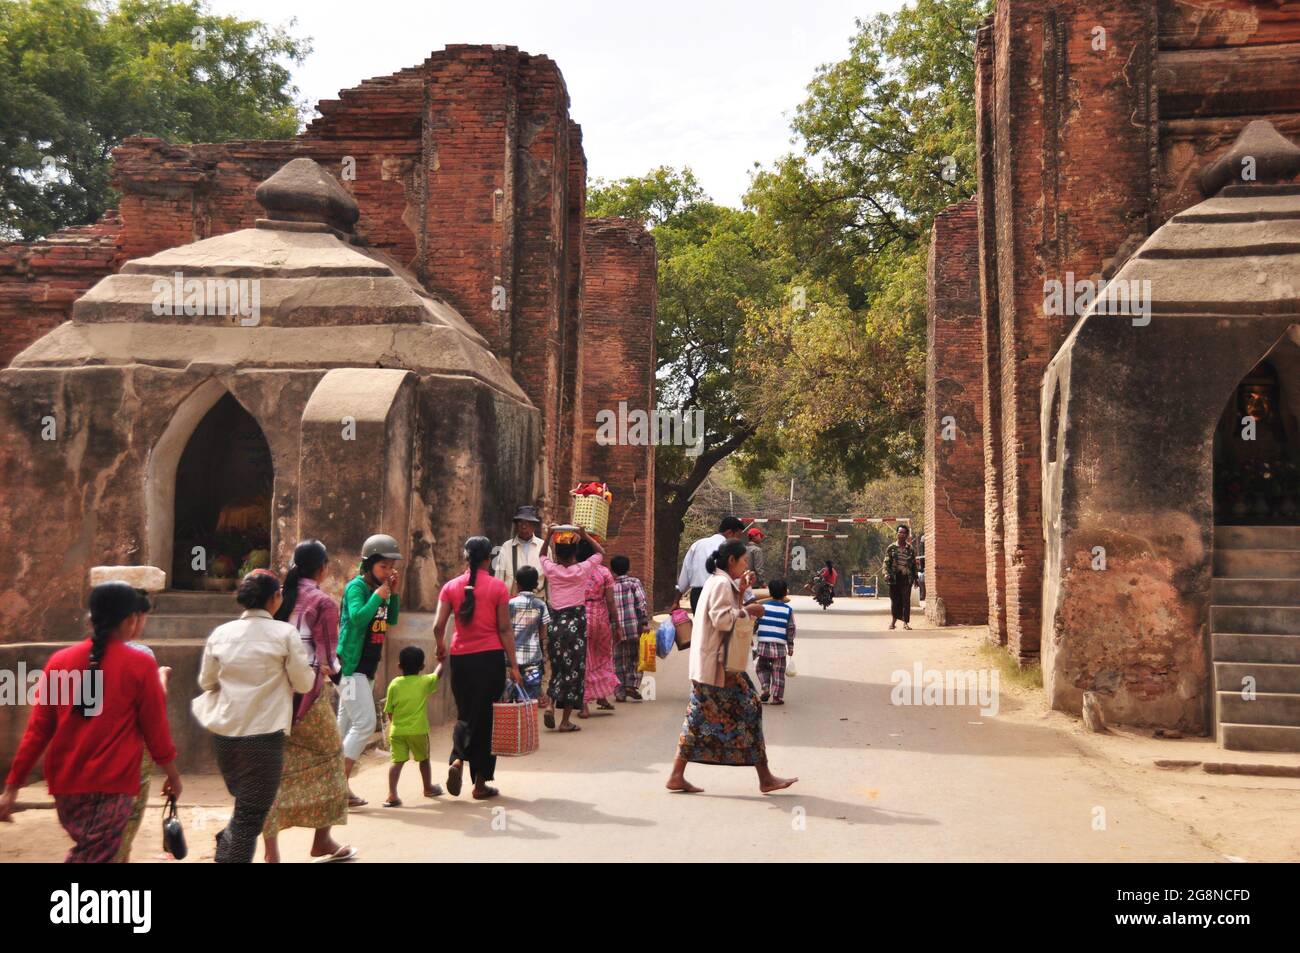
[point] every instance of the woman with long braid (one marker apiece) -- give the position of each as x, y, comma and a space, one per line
483, 649
101, 705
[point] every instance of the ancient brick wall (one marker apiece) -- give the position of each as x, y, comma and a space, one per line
956, 590
467, 170
1094, 119
617, 354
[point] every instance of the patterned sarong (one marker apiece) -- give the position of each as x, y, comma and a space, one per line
96, 823
313, 790
723, 725
567, 645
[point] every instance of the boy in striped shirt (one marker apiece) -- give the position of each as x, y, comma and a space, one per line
774, 636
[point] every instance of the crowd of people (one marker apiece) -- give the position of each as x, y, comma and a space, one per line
287, 690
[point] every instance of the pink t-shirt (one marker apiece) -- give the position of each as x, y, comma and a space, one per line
567, 585
480, 633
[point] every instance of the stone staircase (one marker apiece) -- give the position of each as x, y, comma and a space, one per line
180, 616
1255, 632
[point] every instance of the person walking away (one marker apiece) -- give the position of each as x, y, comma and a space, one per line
483, 647
408, 733
251, 667
529, 618
631, 618
900, 573
694, 575
313, 787
601, 681
724, 718
141, 804
566, 579
100, 704
521, 550
370, 605
775, 641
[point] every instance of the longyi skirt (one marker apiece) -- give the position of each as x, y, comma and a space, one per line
313, 789
723, 725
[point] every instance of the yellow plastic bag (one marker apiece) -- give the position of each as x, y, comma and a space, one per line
646, 653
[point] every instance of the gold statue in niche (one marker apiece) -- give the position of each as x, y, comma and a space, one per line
1256, 477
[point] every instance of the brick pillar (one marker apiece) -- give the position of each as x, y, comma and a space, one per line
1074, 140
617, 365
956, 590
991, 385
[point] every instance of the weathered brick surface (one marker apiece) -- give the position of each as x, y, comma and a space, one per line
957, 590
466, 168
618, 359
1082, 153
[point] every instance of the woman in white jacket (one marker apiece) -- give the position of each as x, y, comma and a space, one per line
250, 671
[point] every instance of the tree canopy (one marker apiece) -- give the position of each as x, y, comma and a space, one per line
78, 76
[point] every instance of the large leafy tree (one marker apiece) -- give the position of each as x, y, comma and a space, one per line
711, 273
78, 76
886, 139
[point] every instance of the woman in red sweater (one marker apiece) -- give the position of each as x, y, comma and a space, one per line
100, 704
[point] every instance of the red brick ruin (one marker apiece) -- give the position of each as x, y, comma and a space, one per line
1094, 118
469, 171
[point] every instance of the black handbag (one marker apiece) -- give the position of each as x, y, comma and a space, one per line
173, 833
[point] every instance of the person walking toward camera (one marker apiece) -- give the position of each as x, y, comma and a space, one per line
370, 606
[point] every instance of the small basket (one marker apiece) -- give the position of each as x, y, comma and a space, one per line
592, 514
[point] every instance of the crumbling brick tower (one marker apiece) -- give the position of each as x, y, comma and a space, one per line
1093, 118
469, 171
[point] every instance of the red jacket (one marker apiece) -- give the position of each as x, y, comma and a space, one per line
99, 754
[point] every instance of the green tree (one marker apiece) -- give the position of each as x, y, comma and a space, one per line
711, 273
78, 76
886, 140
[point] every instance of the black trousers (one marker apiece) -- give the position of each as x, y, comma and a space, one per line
900, 600
695, 597
251, 767
477, 681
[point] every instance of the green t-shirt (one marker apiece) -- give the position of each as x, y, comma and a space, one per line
405, 703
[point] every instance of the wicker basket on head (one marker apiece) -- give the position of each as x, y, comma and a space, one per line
592, 514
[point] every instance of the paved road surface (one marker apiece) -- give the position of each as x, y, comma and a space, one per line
877, 782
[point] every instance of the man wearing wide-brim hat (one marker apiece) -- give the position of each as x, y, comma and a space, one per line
523, 549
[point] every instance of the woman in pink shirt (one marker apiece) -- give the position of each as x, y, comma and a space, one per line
483, 647
566, 582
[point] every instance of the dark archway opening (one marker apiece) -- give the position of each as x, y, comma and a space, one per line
1257, 446
224, 483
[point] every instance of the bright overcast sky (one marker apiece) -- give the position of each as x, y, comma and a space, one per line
710, 84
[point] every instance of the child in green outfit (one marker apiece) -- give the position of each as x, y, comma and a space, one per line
408, 735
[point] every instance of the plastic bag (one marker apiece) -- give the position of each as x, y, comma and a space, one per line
665, 637
646, 652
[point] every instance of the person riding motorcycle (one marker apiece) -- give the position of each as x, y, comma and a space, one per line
823, 584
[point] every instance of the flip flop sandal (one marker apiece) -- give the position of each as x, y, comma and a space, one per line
342, 854
487, 792
568, 728
549, 719
776, 703
454, 773
393, 802
357, 802
435, 791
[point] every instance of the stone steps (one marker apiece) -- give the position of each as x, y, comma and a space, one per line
1255, 619
1246, 592
181, 602
1257, 563
167, 627
1255, 634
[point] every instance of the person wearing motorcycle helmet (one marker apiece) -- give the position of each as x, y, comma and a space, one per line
370, 604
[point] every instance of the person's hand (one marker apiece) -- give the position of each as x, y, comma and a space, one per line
748, 579
7, 801
516, 676
164, 673
172, 787
385, 590
755, 610
441, 652
393, 582
790, 651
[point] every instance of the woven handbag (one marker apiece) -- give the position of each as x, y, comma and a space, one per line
514, 723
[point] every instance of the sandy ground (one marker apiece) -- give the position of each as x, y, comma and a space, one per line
877, 781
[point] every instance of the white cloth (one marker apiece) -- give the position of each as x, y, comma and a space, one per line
357, 718
693, 574
521, 552
251, 668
